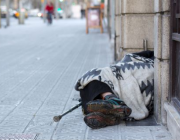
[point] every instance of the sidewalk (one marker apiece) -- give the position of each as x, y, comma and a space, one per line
39, 66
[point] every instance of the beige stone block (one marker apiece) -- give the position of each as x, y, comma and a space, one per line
173, 121
164, 88
165, 36
118, 7
117, 47
161, 88
157, 90
165, 5
121, 54
121, 31
161, 36
157, 5
137, 6
161, 5
118, 41
117, 25
158, 36
136, 28
170, 125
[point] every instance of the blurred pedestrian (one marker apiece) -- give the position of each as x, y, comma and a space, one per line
50, 11
83, 8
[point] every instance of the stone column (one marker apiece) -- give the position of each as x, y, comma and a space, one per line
139, 20
161, 50
117, 28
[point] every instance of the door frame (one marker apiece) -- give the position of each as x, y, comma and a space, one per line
174, 38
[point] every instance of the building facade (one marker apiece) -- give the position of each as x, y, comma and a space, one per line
137, 25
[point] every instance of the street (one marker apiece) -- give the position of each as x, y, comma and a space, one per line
39, 66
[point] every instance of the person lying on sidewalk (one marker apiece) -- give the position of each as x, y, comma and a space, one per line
123, 91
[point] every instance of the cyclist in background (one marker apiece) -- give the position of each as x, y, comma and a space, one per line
50, 11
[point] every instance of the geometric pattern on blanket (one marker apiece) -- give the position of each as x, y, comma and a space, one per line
131, 79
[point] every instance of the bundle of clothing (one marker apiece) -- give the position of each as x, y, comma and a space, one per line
131, 80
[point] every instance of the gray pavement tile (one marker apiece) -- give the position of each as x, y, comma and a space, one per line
149, 121
25, 112
17, 118
41, 124
16, 136
5, 110
108, 133
145, 132
160, 133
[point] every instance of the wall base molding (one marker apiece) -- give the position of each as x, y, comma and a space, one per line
173, 121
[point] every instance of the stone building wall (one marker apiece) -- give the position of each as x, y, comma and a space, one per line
134, 23
138, 20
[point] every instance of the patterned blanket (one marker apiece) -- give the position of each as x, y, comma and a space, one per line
131, 79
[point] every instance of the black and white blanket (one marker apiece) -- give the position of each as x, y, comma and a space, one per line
131, 79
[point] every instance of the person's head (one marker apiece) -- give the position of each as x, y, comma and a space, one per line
49, 3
